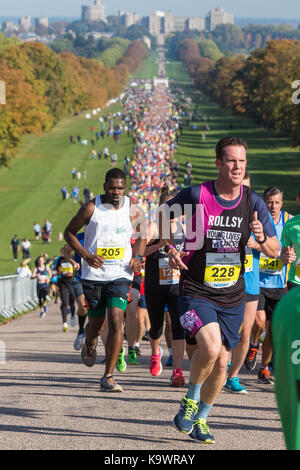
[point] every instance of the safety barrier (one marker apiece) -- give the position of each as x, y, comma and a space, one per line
17, 295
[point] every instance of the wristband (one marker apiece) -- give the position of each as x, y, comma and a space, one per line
140, 257
263, 241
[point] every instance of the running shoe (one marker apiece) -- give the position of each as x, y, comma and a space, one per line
250, 361
201, 432
138, 350
184, 419
108, 384
42, 314
233, 385
88, 355
169, 361
264, 377
132, 359
121, 365
78, 343
73, 320
155, 364
65, 328
177, 379
146, 336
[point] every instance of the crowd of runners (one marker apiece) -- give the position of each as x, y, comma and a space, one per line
206, 265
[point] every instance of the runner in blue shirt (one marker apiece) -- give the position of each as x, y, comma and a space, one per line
273, 281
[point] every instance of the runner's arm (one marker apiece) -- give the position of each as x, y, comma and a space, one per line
81, 219
262, 228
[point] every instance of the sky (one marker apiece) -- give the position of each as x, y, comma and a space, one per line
72, 8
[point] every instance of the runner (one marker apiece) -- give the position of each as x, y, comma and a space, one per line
42, 273
65, 269
290, 240
79, 294
54, 289
161, 289
212, 288
273, 281
108, 265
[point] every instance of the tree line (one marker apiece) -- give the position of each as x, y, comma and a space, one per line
43, 87
258, 86
232, 39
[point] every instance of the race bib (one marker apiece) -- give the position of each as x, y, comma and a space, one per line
222, 269
249, 260
42, 279
167, 275
66, 268
111, 254
270, 266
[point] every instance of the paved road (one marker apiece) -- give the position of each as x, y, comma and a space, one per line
50, 400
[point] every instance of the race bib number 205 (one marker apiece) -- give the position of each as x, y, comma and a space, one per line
111, 254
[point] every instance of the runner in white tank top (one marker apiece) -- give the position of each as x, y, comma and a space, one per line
109, 262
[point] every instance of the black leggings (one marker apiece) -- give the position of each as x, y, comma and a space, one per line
67, 299
157, 298
42, 293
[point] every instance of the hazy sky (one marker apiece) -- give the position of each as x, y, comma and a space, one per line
72, 8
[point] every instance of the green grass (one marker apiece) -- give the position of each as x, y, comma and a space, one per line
30, 190
272, 161
148, 68
175, 71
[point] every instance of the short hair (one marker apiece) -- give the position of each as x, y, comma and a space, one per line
166, 193
227, 142
272, 191
115, 173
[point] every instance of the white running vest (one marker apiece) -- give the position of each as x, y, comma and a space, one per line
108, 234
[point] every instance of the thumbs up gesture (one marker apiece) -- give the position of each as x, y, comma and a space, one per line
288, 255
257, 229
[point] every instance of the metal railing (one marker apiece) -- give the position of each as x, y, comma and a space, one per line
17, 295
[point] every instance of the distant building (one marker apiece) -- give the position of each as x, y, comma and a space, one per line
129, 19
164, 22
96, 12
195, 23
25, 23
218, 16
9, 27
43, 21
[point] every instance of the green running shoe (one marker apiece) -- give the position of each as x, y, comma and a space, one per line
184, 420
201, 432
132, 358
121, 365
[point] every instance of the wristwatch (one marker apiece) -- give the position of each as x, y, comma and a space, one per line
263, 241
140, 257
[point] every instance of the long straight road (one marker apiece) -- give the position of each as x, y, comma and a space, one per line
50, 400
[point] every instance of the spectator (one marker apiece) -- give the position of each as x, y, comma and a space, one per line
37, 230
14, 246
26, 245
23, 270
